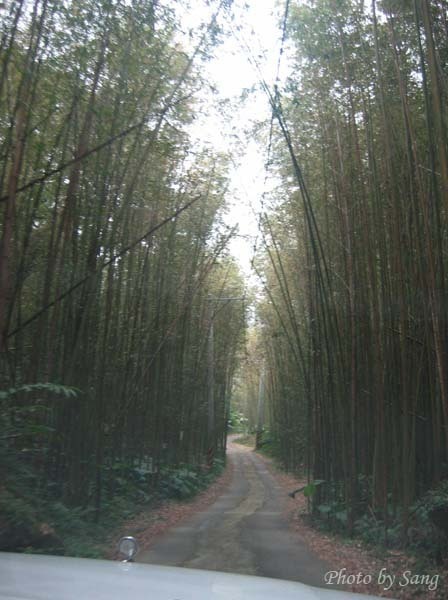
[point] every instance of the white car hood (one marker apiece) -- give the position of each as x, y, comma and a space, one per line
38, 577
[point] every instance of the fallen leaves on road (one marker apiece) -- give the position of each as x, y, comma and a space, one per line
352, 556
149, 524
349, 557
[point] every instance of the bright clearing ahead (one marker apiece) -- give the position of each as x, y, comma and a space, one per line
234, 104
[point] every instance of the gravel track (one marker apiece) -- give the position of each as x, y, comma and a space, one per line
244, 531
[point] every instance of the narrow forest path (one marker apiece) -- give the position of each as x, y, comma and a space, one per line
243, 531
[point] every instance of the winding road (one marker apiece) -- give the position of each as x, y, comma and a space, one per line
243, 531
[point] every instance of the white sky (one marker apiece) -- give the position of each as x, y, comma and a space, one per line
254, 30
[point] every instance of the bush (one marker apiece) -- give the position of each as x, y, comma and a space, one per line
186, 481
269, 444
428, 532
237, 422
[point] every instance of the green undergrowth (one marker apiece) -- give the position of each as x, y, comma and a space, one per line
237, 422
269, 446
185, 481
38, 514
425, 539
31, 520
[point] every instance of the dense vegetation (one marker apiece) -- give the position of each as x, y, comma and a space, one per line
121, 312
355, 261
113, 260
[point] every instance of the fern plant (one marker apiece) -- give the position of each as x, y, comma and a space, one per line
23, 414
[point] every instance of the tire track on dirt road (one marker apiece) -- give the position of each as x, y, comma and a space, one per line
243, 531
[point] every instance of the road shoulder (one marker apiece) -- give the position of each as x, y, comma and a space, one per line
151, 523
352, 557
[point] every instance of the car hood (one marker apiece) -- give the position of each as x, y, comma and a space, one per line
36, 577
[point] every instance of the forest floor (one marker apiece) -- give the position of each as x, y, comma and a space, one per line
160, 533
148, 525
352, 557
243, 531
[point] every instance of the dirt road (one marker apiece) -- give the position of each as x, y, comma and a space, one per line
243, 531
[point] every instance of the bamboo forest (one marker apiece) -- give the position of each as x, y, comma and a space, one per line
133, 337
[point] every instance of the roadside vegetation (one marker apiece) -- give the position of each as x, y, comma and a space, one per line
353, 259
34, 520
123, 316
116, 351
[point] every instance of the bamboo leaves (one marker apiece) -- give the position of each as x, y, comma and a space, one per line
110, 245
363, 124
